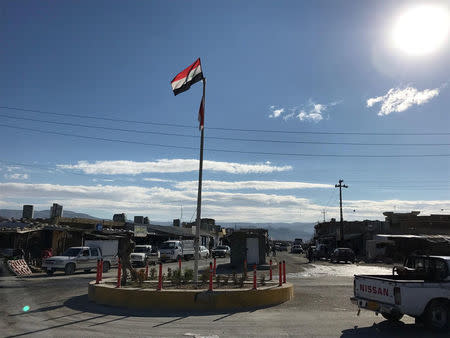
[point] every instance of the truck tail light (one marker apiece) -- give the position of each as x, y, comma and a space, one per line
397, 296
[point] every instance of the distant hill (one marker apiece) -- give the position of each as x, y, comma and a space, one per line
280, 231
8, 213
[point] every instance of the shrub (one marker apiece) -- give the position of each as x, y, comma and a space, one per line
218, 280
241, 281
204, 276
141, 277
169, 273
175, 277
152, 273
262, 280
235, 278
188, 275
225, 279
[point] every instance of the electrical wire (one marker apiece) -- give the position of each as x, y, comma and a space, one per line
227, 150
222, 138
223, 128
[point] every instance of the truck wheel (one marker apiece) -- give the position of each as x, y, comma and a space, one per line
106, 266
392, 317
69, 269
436, 315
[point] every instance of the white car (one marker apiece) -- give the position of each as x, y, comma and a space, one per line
203, 252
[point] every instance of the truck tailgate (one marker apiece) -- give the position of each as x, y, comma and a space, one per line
373, 288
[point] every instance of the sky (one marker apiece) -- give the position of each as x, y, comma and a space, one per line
299, 94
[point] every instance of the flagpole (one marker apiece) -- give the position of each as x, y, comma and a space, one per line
199, 195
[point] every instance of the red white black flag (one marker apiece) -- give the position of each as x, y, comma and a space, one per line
201, 114
187, 77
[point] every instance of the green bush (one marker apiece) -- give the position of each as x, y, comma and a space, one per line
175, 277
152, 273
225, 279
188, 275
204, 276
235, 278
262, 280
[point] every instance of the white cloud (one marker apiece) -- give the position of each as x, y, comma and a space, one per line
276, 112
149, 179
257, 185
169, 166
16, 176
158, 203
311, 112
398, 100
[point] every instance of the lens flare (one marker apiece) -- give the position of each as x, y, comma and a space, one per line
26, 308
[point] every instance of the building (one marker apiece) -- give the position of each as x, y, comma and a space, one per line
139, 219
250, 245
28, 212
120, 217
56, 210
412, 224
206, 224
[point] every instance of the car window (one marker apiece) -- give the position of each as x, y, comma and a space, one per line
85, 252
94, 252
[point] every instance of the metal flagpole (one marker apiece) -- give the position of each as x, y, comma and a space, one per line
199, 196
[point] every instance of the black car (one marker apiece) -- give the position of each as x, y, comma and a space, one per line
342, 255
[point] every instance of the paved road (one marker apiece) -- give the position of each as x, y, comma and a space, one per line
321, 308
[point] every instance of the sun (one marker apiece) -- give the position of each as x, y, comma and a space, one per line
421, 30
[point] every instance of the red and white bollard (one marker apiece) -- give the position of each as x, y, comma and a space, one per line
210, 277
119, 274
179, 264
284, 271
270, 270
101, 271
214, 270
146, 270
160, 277
254, 277
97, 278
280, 279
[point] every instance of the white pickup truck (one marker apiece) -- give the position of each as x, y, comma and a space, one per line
173, 250
77, 258
420, 288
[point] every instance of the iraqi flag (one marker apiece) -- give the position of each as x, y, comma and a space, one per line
187, 77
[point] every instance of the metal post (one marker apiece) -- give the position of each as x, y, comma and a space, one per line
179, 264
270, 270
199, 195
254, 277
280, 279
97, 278
160, 277
210, 277
146, 271
119, 274
284, 271
214, 270
101, 271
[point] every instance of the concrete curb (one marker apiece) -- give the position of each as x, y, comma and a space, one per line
196, 300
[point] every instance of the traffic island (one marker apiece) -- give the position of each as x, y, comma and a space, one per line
107, 293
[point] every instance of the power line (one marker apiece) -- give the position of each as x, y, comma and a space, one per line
226, 150
222, 128
222, 138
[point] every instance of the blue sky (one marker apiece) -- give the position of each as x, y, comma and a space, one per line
289, 83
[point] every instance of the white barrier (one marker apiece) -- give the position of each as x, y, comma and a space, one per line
19, 267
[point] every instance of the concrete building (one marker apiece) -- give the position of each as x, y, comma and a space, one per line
120, 217
250, 245
139, 219
56, 210
411, 223
28, 212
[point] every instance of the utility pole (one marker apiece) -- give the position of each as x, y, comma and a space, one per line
324, 212
340, 186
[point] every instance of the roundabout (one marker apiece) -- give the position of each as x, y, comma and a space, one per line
106, 293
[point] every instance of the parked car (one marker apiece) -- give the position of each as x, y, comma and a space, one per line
221, 251
419, 289
174, 250
77, 258
342, 255
143, 254
297, 249
203, 252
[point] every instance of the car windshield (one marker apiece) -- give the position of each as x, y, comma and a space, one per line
141, 249
71, 252
168, 245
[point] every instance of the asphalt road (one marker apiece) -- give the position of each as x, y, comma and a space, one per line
320, 308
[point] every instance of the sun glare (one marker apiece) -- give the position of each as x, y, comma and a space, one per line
421, 30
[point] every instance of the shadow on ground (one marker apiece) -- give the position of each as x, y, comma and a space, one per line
82, 303
388, 329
